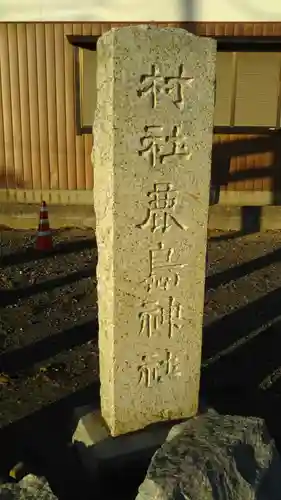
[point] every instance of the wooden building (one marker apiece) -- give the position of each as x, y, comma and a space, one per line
47, 102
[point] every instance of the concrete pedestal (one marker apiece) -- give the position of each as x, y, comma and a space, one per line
98, 451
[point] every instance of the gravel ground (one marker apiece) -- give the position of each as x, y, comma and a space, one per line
48, 333
243, 313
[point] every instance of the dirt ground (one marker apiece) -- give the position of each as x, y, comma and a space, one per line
48, 336
48, 330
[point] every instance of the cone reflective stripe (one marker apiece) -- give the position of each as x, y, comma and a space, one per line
44, 234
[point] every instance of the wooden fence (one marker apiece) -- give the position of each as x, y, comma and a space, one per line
41, 154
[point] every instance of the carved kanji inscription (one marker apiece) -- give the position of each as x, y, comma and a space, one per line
154, 316
161, 214
158, 146
154, 369
155, 83
164, 271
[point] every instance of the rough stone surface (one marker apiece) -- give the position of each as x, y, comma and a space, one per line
215, 457
153, 139
29, 488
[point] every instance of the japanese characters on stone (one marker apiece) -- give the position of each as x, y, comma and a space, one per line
164, 269
153, 369
155, 84
157, 145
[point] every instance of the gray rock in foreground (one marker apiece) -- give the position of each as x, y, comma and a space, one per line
215, 457
29, 488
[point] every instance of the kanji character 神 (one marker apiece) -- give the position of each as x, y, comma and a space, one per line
153, 317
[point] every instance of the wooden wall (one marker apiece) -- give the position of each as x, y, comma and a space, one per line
39, 148
245, 163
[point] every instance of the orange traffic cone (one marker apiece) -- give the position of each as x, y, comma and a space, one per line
44, 235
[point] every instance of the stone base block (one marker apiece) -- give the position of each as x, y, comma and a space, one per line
98, 451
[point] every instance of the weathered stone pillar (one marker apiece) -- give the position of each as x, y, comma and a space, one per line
152, 158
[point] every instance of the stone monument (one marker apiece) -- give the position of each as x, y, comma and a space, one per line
152, 157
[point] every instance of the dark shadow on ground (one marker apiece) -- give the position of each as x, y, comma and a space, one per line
240, 325
241, 363
63, 248
43, 440
241, 368
234, 273
8, 297
232, 235
18, 360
